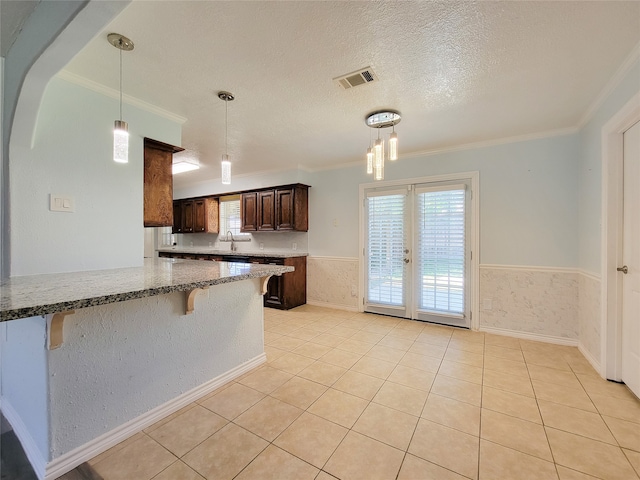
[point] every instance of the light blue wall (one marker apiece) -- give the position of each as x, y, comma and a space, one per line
72, 155
528, 200
590, 173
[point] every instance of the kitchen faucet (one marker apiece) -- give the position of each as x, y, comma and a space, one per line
233, 243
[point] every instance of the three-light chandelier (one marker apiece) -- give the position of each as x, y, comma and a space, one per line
376, 152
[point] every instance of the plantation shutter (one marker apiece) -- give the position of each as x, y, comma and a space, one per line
386, 244
441, 249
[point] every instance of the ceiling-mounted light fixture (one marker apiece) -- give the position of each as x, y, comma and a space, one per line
376, 155
121, 129
181, 166
226, 164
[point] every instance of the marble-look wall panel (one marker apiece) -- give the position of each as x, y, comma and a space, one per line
536, 301
590, 315
330, 281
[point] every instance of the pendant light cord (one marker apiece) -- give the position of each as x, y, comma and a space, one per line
120, 80
226, 126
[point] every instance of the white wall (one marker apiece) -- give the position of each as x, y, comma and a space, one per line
214, 186
72, 155
121, 360
24, 378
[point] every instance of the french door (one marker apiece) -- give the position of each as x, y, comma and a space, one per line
417, 253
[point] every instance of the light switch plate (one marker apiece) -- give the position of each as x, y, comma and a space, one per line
61, 203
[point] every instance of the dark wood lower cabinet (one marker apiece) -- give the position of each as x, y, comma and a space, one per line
284, 291
290, 289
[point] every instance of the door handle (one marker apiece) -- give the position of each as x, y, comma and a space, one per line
406, 260
624, 269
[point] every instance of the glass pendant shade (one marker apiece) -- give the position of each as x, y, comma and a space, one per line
378, 159
393, 146
121, 142
369, 161
226, 170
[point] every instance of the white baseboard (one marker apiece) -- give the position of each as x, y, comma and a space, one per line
537, 337
29, 446
70, 460
336, 306
590, 358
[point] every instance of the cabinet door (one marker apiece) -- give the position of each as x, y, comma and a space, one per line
284, 209
266, 210
212, 215
177, 217
249, 212
158, 188
199, 216
274, 295
187, 216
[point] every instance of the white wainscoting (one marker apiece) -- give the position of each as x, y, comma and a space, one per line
537, 301
331, 282
589, 312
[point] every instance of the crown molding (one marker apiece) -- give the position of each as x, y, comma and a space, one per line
112, 93
611, 85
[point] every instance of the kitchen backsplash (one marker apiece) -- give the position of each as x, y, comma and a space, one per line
272, 241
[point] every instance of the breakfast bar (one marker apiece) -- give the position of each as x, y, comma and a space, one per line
90, 358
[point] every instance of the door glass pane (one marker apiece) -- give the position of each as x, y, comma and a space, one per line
386, 244
441, 251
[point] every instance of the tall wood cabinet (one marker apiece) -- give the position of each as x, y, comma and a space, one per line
158, 183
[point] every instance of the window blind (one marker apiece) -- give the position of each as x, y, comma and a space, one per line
441, 249
386, 244
230, 217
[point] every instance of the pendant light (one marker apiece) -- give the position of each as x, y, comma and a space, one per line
382, 119
369, 156
226, 164
121, 128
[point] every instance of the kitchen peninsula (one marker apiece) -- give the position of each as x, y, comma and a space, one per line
91, 358
282, 292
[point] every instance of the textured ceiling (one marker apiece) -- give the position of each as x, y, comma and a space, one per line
459, 72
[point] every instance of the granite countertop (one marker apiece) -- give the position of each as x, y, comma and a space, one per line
217, 251
28, 296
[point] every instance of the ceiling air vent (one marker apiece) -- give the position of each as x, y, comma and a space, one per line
354, 79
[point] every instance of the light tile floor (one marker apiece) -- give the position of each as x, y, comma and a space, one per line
355, 396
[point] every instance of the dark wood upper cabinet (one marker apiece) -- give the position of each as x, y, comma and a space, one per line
158, 183
284, 208
187, 216
199, 215
206, 215
266, 210
292, 208
249, 212
177, 216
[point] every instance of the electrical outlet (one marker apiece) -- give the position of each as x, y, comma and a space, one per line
294, 246
487, 304
354, 291
261, 246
